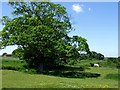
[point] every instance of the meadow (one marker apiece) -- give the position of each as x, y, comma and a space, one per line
16, 77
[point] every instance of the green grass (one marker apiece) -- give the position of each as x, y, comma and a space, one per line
112, 76
9, 58
15, 79
102, 63
104, 71
12, 63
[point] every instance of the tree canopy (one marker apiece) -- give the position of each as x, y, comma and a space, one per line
18, 53
41, 29
96, 55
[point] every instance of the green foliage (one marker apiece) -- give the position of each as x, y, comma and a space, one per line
114, 62
5, 19
96, 55
18, 53
37, 30
118, 62
118, 65
112, 59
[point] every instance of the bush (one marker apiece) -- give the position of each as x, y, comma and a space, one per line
112, 60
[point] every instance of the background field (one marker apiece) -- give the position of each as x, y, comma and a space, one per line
20, 79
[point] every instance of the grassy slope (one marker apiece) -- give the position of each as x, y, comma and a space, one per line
15, 79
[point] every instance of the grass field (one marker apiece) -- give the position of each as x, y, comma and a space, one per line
15, 79
18, 79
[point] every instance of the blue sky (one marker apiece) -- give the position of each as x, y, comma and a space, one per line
95, 21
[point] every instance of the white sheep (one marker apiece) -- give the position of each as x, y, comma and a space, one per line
96, 65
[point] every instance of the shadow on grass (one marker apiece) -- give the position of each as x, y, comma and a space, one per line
70, 72
112, 76
61, 71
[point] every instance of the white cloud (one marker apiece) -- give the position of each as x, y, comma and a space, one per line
77, 8
89, 9
80, 8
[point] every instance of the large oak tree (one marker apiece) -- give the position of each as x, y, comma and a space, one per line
40, 29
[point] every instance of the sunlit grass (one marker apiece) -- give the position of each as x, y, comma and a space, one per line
103, 71
15, 79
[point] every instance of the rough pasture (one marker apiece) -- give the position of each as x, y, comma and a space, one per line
15, 79
18, 79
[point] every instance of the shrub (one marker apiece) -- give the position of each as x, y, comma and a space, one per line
112, 60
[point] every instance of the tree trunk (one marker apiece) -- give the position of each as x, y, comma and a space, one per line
41, 67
